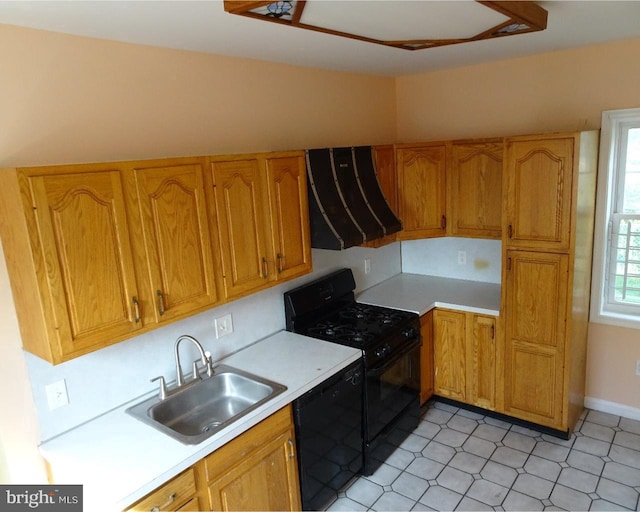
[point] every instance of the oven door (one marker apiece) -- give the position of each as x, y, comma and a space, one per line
391, 388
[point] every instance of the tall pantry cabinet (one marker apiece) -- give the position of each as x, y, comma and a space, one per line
548, 212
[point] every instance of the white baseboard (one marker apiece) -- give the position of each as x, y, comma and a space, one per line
625, 411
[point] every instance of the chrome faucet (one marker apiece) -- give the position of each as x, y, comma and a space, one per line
205, 358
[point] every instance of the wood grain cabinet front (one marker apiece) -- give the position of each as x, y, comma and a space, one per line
421, 190
176, 233
426, 357
385, 162
539, 191
547, 245
258, 470
261, 203
178, 494
67, 245
474, 189
465, 347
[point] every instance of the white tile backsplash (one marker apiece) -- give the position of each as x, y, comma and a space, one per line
439, 257
108, 378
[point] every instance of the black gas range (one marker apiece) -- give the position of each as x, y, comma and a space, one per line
390, 342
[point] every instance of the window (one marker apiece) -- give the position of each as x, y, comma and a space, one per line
616, 263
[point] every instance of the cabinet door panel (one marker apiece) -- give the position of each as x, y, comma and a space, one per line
536, 296
481, 361
426, 357
177, 241
449, 354
475, 200
421, 191
89, 265
238, 190
264, 480
538, 206
289, 216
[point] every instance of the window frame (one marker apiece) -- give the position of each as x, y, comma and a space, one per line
612, 143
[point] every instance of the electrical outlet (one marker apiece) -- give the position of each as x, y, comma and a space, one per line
638, 367
367, 265
223, 325
462, 257
57, 394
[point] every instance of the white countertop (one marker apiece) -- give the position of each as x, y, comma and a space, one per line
420, 293
118, 459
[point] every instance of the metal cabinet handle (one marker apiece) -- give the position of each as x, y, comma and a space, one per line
291, 450
443, 222
172, 498
280, 263
510, 231
265, 268
493, 332
136, 309
161, 308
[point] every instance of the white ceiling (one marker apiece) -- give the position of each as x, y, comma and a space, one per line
204, 26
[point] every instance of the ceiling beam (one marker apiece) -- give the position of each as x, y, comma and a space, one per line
529, 13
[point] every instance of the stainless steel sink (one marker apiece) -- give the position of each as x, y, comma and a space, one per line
203, 407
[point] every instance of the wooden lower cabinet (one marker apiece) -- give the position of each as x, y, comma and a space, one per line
426, 357
535, 334
177, 494
449, 354
464, 353
481, 361
258, 470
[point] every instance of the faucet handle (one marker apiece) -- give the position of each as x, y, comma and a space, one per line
207, 354
163, 387
196, 371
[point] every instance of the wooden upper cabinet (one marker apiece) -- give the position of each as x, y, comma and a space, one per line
385, 161
85, 295
535, 335
474, 183
242, 222
289, 215
421, 190
385, 164
263, 219
539, 187
177, 239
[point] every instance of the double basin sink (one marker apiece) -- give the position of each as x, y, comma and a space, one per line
205, 406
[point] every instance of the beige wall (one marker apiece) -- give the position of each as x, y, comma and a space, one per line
561, 91
66, 99
69, 99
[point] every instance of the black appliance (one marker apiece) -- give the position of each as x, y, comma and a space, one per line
346, 204
328, 422
390, 342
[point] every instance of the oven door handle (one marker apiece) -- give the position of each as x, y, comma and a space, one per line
379, 370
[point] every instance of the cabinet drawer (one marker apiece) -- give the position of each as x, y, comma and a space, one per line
171, 495
234, 451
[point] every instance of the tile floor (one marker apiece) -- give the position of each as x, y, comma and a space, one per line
459, 460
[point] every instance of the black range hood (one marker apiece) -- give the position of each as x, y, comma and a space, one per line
346, 205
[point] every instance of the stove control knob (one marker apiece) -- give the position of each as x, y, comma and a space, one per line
409, 333
382, 351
